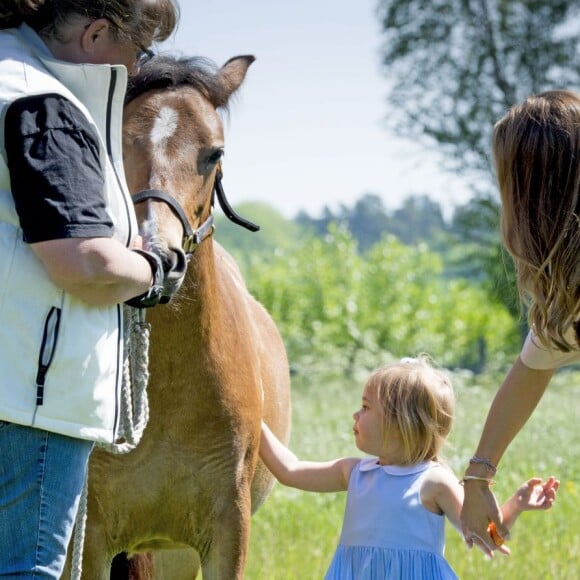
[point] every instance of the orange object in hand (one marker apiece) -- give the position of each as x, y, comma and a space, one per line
494, 534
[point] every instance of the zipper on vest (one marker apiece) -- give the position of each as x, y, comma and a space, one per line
49, 339
121, 184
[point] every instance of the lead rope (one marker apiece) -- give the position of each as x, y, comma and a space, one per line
134, 413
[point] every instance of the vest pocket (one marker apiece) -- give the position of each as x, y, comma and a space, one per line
47, 348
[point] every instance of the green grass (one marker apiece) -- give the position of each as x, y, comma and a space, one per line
294, 534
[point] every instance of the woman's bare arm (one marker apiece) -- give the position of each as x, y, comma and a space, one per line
100, 271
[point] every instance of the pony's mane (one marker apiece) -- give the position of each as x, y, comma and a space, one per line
169, 72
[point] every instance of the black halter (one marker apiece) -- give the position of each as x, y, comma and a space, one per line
191, 238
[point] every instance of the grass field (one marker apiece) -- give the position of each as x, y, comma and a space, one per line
295, 533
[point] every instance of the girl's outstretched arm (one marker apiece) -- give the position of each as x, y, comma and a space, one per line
534, 494
306, 475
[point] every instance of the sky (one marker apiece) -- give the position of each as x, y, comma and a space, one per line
306, 129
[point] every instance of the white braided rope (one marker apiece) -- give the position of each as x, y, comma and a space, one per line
134, 401
134, 413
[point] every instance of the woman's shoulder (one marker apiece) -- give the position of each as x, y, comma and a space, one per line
535, 355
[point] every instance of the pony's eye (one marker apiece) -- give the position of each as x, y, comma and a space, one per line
216, 156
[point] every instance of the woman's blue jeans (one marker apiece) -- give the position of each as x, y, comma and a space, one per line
41, 480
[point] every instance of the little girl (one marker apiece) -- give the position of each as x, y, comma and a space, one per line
393, 524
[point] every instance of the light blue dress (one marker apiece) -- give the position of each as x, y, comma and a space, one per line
386, 532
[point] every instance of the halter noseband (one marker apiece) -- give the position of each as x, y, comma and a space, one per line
191, 238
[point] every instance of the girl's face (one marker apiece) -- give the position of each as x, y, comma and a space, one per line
368, 432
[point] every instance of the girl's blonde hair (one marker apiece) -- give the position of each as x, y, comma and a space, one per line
418, 404
536, 149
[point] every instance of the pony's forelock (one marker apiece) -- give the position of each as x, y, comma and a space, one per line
166, 72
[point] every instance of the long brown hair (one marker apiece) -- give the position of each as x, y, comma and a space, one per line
536, 148
139, 20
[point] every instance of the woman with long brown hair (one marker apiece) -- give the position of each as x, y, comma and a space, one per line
536, 148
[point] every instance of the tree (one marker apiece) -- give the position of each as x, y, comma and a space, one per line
475, 225
458, 65
419, 218
367, 220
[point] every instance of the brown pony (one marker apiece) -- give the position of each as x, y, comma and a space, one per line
217, 362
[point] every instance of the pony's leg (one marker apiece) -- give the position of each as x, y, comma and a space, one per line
226, 557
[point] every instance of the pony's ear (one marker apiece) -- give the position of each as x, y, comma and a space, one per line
233, 73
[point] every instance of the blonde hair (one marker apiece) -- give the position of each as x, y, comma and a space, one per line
536, 149
418, 403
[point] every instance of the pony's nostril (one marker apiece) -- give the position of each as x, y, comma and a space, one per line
176, 263
175, 266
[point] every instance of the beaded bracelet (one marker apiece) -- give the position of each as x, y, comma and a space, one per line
485, 462
475, 478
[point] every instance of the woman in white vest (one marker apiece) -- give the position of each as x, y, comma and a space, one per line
536, 148
69, 256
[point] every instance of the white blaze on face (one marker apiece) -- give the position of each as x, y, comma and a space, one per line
164, 127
